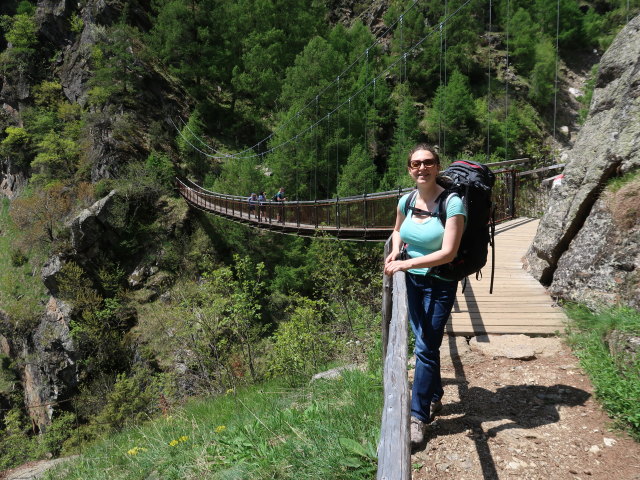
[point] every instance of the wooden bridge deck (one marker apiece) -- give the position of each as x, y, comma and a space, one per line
519, 304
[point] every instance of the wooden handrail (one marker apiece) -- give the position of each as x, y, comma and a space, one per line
394, 451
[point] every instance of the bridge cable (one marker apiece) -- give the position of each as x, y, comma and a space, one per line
489, 89
440, 86
506, 87
337, 134
315, 166
444, 109
555, 83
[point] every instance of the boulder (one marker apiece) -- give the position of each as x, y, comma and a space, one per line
91, 226
50, 271
50, 376
607, 145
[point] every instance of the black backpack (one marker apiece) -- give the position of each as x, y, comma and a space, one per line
472, 182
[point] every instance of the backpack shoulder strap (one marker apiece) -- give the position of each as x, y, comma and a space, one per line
410, 200
443, 202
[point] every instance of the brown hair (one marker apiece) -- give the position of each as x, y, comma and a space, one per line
423, 146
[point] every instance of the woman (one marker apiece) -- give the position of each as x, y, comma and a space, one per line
430, 299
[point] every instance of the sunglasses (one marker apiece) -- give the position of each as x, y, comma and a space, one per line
428, 163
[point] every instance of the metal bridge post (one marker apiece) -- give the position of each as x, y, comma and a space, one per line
298, 212
512, 200
338, 212
315, 212
364, 210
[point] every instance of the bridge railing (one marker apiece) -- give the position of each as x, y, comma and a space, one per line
368, 211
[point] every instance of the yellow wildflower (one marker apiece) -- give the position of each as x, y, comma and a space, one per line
135, 450
220, 428
183, 438
173, 443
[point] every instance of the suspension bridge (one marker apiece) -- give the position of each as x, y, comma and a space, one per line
519, 304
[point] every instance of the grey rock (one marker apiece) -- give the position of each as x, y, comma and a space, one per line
608, 144
519, 347
50, 273
51, 374
333, 373
91, 225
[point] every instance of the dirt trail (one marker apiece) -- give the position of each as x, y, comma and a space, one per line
521, 419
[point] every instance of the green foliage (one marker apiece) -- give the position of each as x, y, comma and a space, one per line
328, 429
117, 71
57, 159
405, 135
358, 176
8, 376
15, 447
567, 12
20, 32
47, 94
130, 402
616, 385
302, 343
616, 183
196, 163
160, 166
452, 113
585, 100
21, 290
543, 74
76, 24
17, 146
524, 35
61, 429
98, 323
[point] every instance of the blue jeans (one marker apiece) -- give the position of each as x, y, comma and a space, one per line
430, 302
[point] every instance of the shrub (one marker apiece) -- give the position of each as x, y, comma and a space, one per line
130, 401
301, 343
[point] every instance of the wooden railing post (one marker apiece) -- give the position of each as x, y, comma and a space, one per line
387, 301
394, 452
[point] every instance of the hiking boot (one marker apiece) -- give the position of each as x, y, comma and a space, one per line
417, 431
436, 407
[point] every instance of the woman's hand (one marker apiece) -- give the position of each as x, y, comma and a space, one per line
391, 257
393, 266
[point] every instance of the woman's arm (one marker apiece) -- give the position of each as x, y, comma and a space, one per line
396, 242
450, 242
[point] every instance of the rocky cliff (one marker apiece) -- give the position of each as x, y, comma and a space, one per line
587, 247
45, 358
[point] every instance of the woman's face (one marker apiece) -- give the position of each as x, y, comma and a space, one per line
423, 167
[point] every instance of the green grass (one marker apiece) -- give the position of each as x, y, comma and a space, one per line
328, 429
22, 293
617, 387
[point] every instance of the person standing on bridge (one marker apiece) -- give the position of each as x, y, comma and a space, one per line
427, 243
253, 201
262, 199
280, 197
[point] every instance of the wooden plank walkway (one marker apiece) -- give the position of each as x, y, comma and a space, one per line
519, 304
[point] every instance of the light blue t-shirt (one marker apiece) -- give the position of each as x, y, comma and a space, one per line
425, 238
